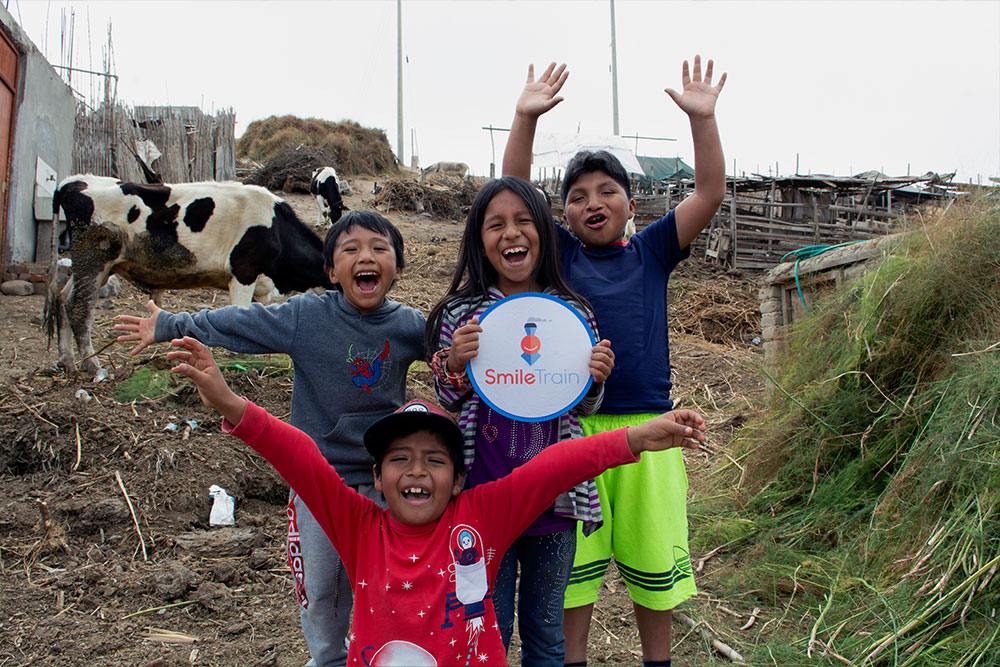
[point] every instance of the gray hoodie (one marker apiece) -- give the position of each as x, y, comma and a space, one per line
350, 367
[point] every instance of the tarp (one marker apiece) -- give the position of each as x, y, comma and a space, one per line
556, 150
147, 151
665, 168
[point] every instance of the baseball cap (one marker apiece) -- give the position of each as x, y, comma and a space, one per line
414, 416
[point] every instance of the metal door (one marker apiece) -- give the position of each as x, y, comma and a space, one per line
8, 87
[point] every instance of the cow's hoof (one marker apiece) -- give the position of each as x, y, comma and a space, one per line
94, 370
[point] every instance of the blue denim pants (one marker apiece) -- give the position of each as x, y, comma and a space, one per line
546, 561
326, 620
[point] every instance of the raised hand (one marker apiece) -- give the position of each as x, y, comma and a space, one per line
698, 96
540, 96
677, 428
141, 329
198, 365
602, 361
464, 345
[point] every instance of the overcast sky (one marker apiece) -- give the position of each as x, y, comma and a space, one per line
840, 87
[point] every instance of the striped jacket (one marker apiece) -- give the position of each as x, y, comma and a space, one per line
455, 392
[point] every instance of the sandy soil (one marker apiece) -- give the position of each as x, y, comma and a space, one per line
106, 556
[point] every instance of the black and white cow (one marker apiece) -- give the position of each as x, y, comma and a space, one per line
223, 235
326, 186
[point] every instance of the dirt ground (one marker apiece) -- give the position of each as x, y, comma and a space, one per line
106, 555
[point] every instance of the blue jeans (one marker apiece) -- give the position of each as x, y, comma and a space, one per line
546, 561
326, 622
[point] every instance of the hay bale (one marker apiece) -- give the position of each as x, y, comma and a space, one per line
291, 170
355, 149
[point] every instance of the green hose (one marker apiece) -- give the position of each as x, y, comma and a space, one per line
808, 252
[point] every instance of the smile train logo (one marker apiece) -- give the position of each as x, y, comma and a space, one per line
530, 345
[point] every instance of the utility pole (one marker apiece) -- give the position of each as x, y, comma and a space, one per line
614, 73
493, 150
399, 80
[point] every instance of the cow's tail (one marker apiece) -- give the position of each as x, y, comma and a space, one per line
54, 316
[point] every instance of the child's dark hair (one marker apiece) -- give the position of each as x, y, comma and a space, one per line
586, 162
474, 274
370, 220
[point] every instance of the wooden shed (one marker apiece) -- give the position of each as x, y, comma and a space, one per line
764, 218
791, 287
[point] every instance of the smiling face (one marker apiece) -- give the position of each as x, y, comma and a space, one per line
597, 208
510, 242
530, 344
364, 265
417, 478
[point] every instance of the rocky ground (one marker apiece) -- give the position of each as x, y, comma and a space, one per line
106, 555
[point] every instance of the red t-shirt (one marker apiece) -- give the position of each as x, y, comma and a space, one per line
422, 594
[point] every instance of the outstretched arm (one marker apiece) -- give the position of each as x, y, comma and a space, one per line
536, 98
677, 428
198, 365
697, 100
141, 329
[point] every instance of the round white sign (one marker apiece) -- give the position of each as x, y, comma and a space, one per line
534, 357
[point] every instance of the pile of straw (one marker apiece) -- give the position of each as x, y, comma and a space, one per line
873, 479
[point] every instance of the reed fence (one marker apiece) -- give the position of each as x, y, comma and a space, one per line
194, 146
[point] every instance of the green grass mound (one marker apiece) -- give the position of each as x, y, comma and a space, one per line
873, 480
155, 381
356, 149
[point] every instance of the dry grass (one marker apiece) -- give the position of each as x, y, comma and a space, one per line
355, 149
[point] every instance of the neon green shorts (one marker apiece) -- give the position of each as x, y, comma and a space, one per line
645, 528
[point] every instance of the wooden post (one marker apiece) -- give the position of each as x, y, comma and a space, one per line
815, 219
733, 246
770, 218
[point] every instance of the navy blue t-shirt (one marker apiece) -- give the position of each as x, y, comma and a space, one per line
627, 286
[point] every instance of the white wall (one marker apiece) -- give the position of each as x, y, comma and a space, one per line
44, 115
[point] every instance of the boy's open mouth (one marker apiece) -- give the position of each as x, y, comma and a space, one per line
515, 256
367, 281
416, 493
596, 221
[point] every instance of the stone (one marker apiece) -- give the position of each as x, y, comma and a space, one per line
223, 542
113, 287
17, 288
770, 306
771, 320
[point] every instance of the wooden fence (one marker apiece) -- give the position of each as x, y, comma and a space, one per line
194, 145
762, 219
